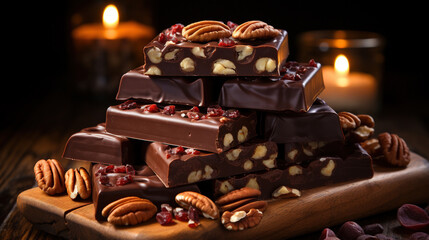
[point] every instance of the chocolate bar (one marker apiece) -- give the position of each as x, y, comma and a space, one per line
177, 166
94, 144
111, 183
171, 54
296, 89
352, 163
193, 91
319, 123
216, 131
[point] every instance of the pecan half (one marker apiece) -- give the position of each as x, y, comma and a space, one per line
255, 30
242, 199
348, 120
204, 31
238, 194
395, 149
49, 175
372, 147
78, 183
129, 211
241, 220
364, 131
207, 207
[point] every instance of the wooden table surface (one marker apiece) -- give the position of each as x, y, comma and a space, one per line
40, 129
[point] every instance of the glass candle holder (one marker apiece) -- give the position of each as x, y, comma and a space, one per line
352, 65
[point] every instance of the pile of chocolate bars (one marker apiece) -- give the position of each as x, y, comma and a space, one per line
217, 107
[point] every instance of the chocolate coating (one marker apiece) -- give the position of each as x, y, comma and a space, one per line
145, 185
205, 134
181, 169
319, 123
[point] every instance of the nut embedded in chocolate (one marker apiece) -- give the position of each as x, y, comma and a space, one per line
49, 175
395, 149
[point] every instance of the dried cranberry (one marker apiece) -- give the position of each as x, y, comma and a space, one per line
120, 169
214, 111
194, 109
413, 217
129, 104
167, 155
192, 151
373, 229
130, 170
177, 150
110, 168
312, 63
180, 214
169, 110
164, 218
231, 113
165, 207
297, 77
194, 115
226, 42
193, 215
326, 234
101, 171
124, 180
288, 76
162, 38
104, 179
301, 70
152, 108
232, 25
177, 28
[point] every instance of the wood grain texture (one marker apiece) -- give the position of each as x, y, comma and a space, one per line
316, 209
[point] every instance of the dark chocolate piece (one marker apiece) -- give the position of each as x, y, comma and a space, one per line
214, 134
297, 153
296, 89
319, 123
94, 144
144, 183
352, 163
180, 57
177, 166
194, 91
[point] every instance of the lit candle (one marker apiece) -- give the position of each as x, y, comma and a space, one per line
346, 90
105, 51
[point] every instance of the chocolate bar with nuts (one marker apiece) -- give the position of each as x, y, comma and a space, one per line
111, 183
172, 54
352, 163
319, 123
215, 130
296, 89
94, 144
301, 153
193, 91
177, 166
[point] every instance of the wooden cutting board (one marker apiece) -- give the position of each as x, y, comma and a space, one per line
315, 209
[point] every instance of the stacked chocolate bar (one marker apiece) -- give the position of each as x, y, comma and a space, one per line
217, 107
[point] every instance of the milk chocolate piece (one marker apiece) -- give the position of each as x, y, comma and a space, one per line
193, 91
295, 90
211, 132
94, 144
175, 56
179, 166
319, 123
144, 183
352, 163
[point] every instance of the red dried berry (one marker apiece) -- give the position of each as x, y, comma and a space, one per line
214, 111
129, 104
152, 108
180, 214
194, 219
130, 170
231, 113
226, 42
192, 151
162, 38
100, 171
194, 115
165, 207
120, 169
177, 28
288, 76
110, 168
104, 179
297, 77
169, 110
124, 180
177, 150
312, 63
164, 218
413, 217
194, 109
232, 25
326, 234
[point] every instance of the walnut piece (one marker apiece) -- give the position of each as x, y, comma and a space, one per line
199, 201
204, 31
129, 211
395, 149
78, 183
286, 192
49, 175
254, 30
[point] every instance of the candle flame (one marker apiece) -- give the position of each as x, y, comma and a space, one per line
110, 16
342, 68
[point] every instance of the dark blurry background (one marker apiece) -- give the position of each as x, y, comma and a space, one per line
38, 34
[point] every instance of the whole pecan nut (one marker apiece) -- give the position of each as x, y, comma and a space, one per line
207, 207
238, 194
78, 183
49, 175
204, 31
242, 199
395, 149
254, 30
129, 211
241, 220
348, 120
